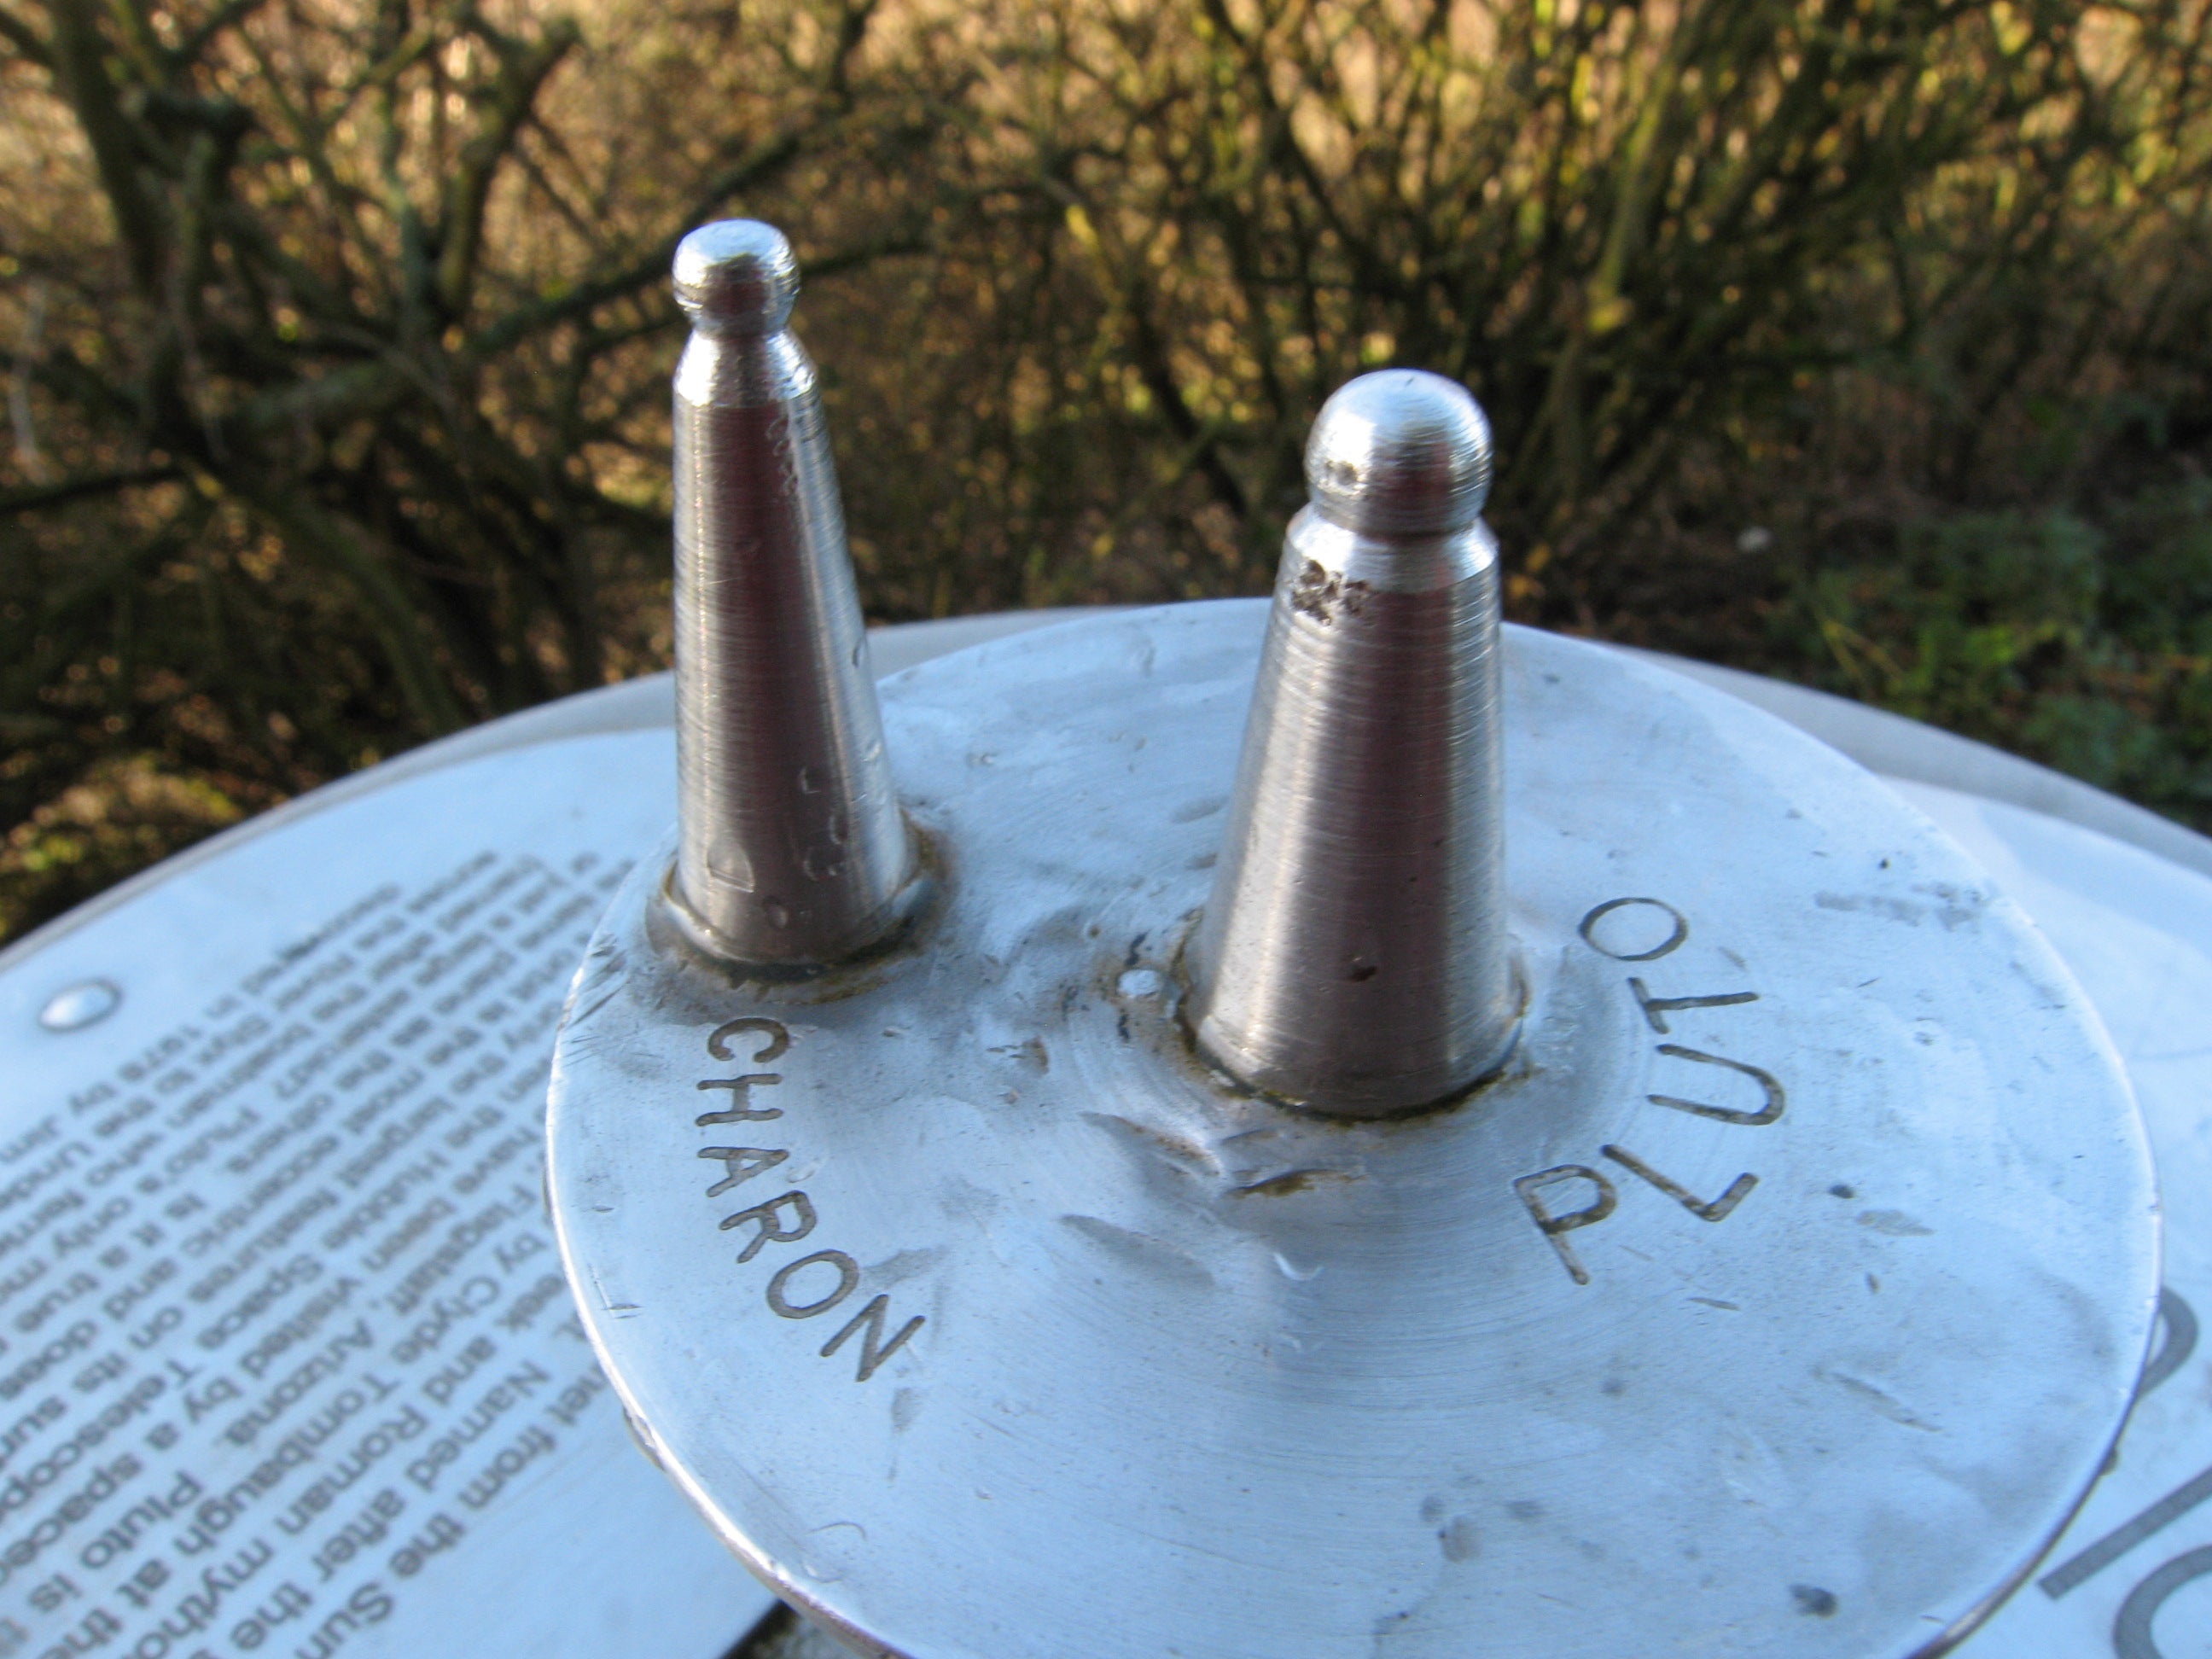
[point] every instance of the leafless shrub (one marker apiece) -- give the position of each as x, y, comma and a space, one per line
336, 330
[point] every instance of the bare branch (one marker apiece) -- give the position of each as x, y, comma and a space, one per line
25, 40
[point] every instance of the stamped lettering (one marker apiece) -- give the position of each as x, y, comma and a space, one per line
1642, 929
2177, 1321
740, 1165
2132, 1637
1635, 929
1766, 1114
2177, 1324
778, 1035
1530, 1189
772, 1228
740, 1109
779, 1288
810, 1285
1717, 1210
1656, 1009
874, 1349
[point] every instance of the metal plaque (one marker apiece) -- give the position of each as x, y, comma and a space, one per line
287, 1364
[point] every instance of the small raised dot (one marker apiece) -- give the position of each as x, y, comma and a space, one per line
78, 1006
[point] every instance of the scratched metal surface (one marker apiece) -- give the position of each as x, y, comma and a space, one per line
2132, 1578
1103, 1353
2127, 899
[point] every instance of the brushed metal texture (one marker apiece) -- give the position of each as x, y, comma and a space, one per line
1354, 956
792, 849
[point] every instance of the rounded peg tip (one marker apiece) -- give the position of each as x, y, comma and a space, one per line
736, 275
1400, 452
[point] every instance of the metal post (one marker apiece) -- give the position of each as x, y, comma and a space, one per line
1354, 956
792, 851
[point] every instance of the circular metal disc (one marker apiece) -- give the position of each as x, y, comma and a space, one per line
1784, 1295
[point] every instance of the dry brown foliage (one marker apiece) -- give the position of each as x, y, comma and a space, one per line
337, 332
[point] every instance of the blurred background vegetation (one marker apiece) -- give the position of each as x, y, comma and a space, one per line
1862, 342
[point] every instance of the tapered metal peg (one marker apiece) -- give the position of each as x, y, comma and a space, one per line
791, 848
1354, 956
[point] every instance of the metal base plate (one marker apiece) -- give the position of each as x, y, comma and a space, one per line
1783, 1297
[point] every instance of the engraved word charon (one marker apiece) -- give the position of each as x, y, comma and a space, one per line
806, 1286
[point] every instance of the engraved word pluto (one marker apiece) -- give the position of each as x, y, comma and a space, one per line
1555, 1225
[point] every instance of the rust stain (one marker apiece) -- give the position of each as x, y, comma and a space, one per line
1320, 595
1293, 1181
